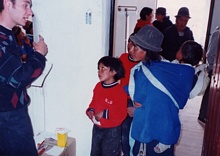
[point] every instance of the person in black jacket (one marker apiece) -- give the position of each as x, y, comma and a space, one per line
176, 35
162, 21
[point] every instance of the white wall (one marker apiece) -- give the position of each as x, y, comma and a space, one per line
74, 49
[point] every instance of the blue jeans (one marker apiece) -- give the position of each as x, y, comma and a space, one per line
16, 134
150, 149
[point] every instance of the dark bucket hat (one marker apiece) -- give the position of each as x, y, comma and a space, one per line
184, 11
161, 11
148, 38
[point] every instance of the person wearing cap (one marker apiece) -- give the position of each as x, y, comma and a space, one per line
155, 113
162, 21
176, 35
146, 16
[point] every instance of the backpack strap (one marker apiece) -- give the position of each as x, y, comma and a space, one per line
152, 79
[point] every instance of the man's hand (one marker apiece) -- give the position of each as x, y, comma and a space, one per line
40, 46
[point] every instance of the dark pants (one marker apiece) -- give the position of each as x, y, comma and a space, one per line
126, 125
16, 134
106, 141
150, 149
205, 101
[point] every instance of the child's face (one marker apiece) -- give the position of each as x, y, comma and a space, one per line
179, 55
105, 74
137, 53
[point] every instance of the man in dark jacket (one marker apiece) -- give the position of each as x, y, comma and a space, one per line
162, 21
176, 35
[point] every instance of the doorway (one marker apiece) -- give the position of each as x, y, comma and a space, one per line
126, 14
199, 15
198, 24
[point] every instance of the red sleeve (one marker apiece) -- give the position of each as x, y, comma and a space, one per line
92, 105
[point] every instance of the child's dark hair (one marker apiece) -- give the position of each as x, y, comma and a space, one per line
115, 65
192, 52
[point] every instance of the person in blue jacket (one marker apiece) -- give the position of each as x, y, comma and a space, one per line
16, 133
155, 112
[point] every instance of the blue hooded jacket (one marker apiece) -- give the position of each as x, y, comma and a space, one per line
157, 118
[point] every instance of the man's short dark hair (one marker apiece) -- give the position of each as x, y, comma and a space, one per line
2, 4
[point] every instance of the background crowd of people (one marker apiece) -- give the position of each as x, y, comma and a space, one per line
159, 68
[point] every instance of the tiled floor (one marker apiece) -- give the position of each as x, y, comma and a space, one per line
190, 142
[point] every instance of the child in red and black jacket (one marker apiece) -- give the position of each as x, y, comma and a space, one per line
108, 108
